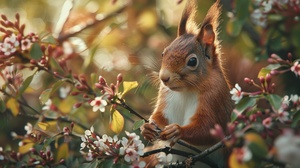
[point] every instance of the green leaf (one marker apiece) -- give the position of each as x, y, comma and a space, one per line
234, 116
50, 39
93, 164
234, 27
296, 119
2, 105
275, 100
127, 86
242, 11
117, 122
25, 85
138, 124
263, 72
120, 165
258, 150
54, 64
245, 103
107, 163
45, 95
36, 51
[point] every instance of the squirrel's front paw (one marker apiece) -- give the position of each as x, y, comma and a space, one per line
172, 132
150, 131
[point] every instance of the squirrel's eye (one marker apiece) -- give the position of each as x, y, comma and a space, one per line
192, 62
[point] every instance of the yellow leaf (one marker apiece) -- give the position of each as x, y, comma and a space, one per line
13, 105
63, 151
28, 144
117, 122
43, 125
128, 86
66, 105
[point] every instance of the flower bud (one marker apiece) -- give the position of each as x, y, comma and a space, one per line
77, 105
61, 161
274, 72
120, 77
32, 61
3, 17
113, 87
22, 28
268, 78
85, 96
98, 86
75, 93
17, 16
3, 23
249, 81
275, 56
262, 80
102, 80
290, 57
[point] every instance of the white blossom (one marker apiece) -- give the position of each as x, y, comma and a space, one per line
137, 164
296, 68
236, 93
25, 44
130, 155
288, 148
9, 45
64, 91
163, 159
28, 128
283, 116
98, 104
47, 105
259, 18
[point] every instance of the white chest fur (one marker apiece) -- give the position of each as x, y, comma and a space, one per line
181, 106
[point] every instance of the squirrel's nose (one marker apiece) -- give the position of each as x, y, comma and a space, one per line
164, 75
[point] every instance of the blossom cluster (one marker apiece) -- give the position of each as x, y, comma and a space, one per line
14, 41
286, 8
128, 149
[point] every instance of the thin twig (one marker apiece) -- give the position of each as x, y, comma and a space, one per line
96, 21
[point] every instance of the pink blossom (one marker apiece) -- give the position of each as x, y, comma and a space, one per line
296, 68
267, 122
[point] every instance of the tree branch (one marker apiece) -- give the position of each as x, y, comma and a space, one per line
71, 33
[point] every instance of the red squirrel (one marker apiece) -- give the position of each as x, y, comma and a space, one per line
194, 93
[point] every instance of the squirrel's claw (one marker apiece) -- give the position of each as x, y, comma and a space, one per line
150, 131
173, 132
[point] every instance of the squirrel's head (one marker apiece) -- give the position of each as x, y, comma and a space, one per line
191, 57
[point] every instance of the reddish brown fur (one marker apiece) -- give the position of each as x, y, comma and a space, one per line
207, 81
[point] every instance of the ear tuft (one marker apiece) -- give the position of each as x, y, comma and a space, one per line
209, 27
187, 23
208, 35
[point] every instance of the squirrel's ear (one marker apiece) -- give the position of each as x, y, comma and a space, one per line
209, 27
187, 23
